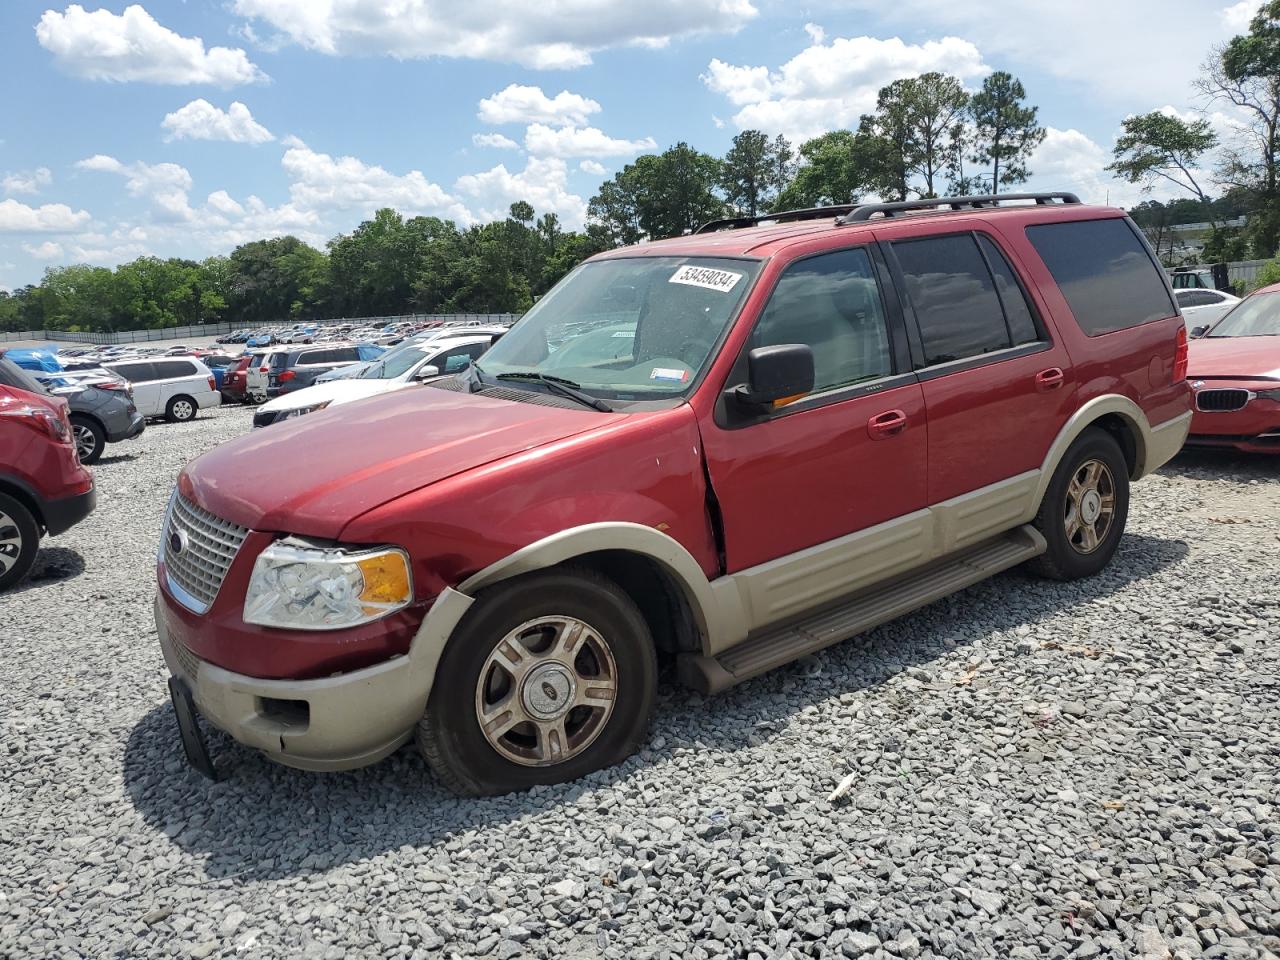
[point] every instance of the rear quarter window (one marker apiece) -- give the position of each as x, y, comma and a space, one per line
172, 369
1105, 272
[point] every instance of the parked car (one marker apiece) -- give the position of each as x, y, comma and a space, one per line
44, 488
235, 384
1203, 308
1234, 369
256, 374
176, 388
822, 424
356, 369
417, 363
297, 369
218, 364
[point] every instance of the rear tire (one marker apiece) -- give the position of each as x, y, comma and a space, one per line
180, 409
561, 667
1084, 511
19, 541
91, 439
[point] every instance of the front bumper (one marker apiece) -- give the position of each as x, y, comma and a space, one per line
64, 513
330, 723
1254, 428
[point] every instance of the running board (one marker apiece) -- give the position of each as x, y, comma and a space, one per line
776, 645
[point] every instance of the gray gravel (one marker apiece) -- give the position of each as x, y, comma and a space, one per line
1039, 770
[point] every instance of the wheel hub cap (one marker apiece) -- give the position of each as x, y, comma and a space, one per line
548, 691
1090, 506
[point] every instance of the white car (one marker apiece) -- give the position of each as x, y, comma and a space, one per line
175, 388
436, 333
421, 361
1203, 308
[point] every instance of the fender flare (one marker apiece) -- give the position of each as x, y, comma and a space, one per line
1087, 416
633, 538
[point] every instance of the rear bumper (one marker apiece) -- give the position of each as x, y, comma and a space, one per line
64, 513
1164, 442
330, 723
137, 423
210, 398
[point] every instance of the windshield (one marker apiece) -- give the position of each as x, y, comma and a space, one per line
393, 363
640, 328
1256, 316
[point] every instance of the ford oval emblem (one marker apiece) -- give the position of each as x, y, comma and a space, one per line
177, 542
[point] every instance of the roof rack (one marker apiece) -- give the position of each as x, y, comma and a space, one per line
886, 210
808, 213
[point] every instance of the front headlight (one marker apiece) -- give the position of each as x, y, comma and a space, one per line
301, 411
317, 588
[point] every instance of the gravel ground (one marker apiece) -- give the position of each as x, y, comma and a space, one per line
1036, 770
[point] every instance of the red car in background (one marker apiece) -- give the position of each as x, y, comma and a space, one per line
43, 486
1234, 368
235, 385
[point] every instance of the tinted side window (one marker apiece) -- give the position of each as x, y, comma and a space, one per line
1196, 298
1105, 273
954, 297
172, 369
459, 358
832, 303
342, 355
137, 372
1022, 324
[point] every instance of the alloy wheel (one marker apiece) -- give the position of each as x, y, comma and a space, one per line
10, 542
1090, 506
182, 410
546, 691
85, 441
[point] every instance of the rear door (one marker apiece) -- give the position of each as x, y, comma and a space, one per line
997, 387
848, 456
148, 396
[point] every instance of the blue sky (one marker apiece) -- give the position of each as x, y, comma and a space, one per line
183, 128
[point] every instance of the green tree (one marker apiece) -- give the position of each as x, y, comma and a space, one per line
835, 168
890, 142
274, 280
1156, 147
937, 106
1006, 131
659, 196
754, 170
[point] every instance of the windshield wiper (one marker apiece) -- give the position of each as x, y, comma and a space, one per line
566, 388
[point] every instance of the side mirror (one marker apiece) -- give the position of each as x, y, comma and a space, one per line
776, 373
1199, 331
427, 372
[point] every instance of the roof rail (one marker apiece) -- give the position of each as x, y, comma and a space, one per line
869, 210
808, 213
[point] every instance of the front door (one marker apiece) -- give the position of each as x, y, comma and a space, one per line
794, 483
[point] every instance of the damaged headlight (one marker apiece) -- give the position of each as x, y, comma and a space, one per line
326, 588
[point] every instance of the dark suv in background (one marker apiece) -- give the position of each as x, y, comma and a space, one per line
295, 369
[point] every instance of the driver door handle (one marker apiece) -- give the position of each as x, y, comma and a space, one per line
885, 425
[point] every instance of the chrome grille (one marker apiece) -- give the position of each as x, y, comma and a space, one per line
208, 545
1221, 401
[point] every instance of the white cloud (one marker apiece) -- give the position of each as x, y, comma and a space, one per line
1069, 160
593, 168
164, 185
222, 202
552, 34
321, 182
27, 181
495, 140
580, 142
523, 104
1237, 16
543, 183
201, 120
828, 86
49, 250
17, 217
134, 47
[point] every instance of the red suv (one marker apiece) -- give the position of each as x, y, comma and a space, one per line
732, 448
43, 486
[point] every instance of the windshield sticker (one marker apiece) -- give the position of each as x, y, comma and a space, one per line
664, 373
720, 280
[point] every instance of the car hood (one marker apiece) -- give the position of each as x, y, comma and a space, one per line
313, 475
1234, 357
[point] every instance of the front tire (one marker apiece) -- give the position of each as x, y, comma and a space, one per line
180, 409
19, 541
1084, 511
547, 678
91, 439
